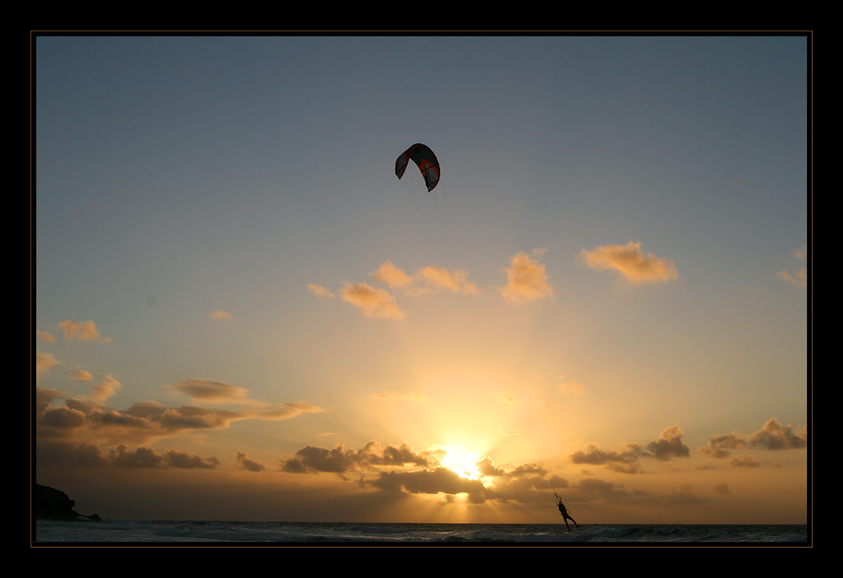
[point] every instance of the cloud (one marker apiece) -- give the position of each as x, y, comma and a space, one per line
416, 396
391, 275
722, 446
246, 464
721, 488
45, 336
624, 461
107, 388
745, 461
319, 291
220, 314
526, 279
800, 277
433, 481
288, 411
209, 391
669, 445
144, 457
373, 302
44, 362
772, 436
86, 331
569, 387
89, 422
630, 263
339, 460
81, 375
427, 280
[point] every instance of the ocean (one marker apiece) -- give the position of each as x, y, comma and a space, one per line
185, 533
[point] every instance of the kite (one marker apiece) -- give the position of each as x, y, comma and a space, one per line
425, 159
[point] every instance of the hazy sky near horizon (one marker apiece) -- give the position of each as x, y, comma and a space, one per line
241, 313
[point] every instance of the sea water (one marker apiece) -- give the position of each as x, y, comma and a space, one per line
106, 532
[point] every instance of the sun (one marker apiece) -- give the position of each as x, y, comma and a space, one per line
462, 462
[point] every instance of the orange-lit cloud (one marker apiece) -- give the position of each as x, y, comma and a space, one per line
144, 457
772, 436
107, 388
800, 277
569, 387
526, 279
391, 275
416, 396
669, 445
339, 460
221, 315
44, 362
744, 461
319, 291
623, 461
46, 336
209, 391
244, 463
433, 481
86, 331
630, 263
81, 421
374, 302
428, 280
81, 375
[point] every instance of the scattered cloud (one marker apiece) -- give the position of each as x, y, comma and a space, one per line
391, 275
526, 279
416, 396
669, 445
339, 460
623, 461
569, 387
144, 457
244, 463
630, 263
107, 388
222, 315
772, 436
374, 302
208, 391
432, 481
89, 422
745, 461
800, 277
44, 362
87, 331
721, 446
319, 291
425, 281
46, 336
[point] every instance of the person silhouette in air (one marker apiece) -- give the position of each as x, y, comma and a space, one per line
565, 516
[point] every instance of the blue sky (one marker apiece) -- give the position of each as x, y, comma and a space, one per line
612, 264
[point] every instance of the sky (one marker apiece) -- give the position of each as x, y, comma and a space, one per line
239, 312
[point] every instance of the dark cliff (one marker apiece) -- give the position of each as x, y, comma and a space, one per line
52, 504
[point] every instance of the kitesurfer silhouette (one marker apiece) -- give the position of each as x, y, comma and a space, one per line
565, 516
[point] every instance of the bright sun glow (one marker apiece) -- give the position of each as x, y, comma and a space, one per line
462, 462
